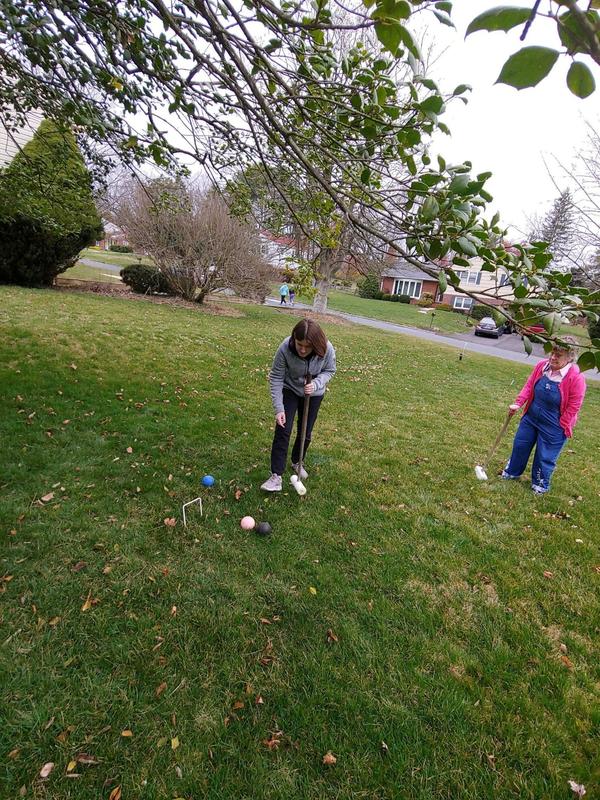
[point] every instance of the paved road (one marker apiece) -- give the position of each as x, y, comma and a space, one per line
509, 348
100, 265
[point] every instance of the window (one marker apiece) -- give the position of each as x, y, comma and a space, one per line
466, 276
463, 303
411, 288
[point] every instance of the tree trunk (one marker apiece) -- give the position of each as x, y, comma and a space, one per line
320, 301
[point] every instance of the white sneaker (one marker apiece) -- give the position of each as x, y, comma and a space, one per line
272, 484
303, 472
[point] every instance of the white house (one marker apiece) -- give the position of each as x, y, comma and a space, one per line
11, 141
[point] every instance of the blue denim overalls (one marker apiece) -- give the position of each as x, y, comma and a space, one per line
540, 427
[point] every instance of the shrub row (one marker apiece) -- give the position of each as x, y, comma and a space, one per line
145, 279
120, 248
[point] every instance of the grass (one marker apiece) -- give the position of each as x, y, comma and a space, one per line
109, 257
83, 272
449, 640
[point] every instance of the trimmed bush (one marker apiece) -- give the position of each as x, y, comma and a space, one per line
480, 311
47, 212
369, 287
395, 298
120, 248
386, 296
403, 298
425, 300
144, 279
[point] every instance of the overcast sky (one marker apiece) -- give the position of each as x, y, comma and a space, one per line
506, 131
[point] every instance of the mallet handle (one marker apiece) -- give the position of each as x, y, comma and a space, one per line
497, 442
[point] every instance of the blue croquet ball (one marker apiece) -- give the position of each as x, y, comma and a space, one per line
208, 480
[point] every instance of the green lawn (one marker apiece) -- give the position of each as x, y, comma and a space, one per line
83, 272
463, 616
108, 257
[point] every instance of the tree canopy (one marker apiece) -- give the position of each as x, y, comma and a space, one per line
228, 85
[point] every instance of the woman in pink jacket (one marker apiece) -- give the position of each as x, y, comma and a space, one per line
552, 397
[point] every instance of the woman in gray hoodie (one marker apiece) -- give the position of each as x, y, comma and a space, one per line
303, 366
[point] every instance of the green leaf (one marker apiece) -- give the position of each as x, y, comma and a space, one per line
444, 19
407, 40
527, 67
442, 281
501, 18
466, 246
580, 80
430, 209
586, 360
434, 103
520, 292
461, 89
527, 345
444, 6
389, 35
365, 175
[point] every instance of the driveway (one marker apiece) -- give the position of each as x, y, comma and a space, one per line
507, 347
100, 265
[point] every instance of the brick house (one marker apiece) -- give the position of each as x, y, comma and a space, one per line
403, 278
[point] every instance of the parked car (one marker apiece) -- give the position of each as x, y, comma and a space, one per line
489, 327
537, 327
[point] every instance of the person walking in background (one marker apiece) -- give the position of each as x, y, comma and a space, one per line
303, 366
552, 397
283, 293
292, 295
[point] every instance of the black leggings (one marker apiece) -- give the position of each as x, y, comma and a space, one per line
292, 403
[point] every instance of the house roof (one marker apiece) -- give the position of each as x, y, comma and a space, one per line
401, 269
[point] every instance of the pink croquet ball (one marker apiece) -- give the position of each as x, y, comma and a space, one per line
247, 523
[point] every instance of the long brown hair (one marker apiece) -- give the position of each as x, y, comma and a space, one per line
310, 331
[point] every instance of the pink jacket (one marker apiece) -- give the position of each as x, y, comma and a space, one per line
572, 391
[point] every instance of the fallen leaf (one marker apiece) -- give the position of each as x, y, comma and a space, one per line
178, 771
47, 497
64, 735
170, 522
567, 662
265, 621
130, 449
548, 574
238, 704
385, 750
329, 759
86, 758
115, 794
162, 742
50, 721
258, 700
563, 648
107, 569
173, 610
22, 791
6, 579
14, 753
331, 637
175, 743
53, 622
46, 769
160, 689
312, 590
78, 566
71, 766
127, 733
238, 494
578, 788
272, 743
88, 602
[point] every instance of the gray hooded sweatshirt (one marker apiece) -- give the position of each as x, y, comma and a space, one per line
289, 371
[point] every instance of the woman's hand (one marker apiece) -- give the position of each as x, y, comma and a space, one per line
280, 419
309, 388
513, 408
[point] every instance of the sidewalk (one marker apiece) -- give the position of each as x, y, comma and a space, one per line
466, 342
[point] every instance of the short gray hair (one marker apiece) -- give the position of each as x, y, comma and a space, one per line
569, 344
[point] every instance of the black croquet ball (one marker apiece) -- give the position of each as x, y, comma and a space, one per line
263, 528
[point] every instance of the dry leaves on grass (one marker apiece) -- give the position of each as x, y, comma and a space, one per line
115, 794
329, 759
90, 602
46, 769
170, 522
160, 689
331, 637
577, 788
